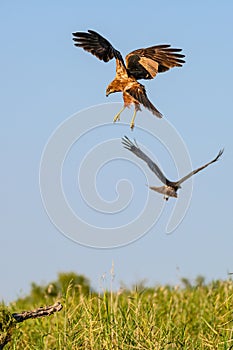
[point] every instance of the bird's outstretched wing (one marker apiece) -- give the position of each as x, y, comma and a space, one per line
138, 92
146, 63
199, 169
96, 45
138, 152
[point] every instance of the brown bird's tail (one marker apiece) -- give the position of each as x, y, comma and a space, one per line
138, 92
152, 108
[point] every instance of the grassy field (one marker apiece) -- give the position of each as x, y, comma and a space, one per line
198, 316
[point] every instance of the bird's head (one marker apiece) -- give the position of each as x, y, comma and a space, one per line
109, 90
114, 86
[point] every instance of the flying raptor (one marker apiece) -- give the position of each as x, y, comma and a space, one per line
139, 64
170, 188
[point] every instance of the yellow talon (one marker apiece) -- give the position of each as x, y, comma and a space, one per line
133, 119
132, 125
117, 116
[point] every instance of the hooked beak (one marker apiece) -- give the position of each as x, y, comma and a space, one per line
108, 92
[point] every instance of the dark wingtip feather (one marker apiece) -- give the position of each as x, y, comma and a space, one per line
93, 32
97, 45
220, 153
127, 143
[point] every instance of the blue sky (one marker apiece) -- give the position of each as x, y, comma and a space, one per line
45, 80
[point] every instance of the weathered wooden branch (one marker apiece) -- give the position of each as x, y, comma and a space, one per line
8, 321
40, 312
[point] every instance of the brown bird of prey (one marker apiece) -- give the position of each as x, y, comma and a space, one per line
170, 188
139, 64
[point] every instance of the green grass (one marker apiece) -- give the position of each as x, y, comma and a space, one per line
192, 317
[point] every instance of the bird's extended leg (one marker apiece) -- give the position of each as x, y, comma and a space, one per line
117, 116
136, 109
133, 119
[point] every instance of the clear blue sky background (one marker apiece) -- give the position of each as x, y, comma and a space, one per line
45, 79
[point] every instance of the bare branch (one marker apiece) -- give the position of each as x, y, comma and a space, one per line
40, 312
8, 321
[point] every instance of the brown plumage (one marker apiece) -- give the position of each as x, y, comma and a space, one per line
170, 188
139, 64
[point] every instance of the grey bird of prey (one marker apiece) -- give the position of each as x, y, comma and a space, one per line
143, 63
170, 188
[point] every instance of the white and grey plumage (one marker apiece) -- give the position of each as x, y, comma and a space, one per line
170, 188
